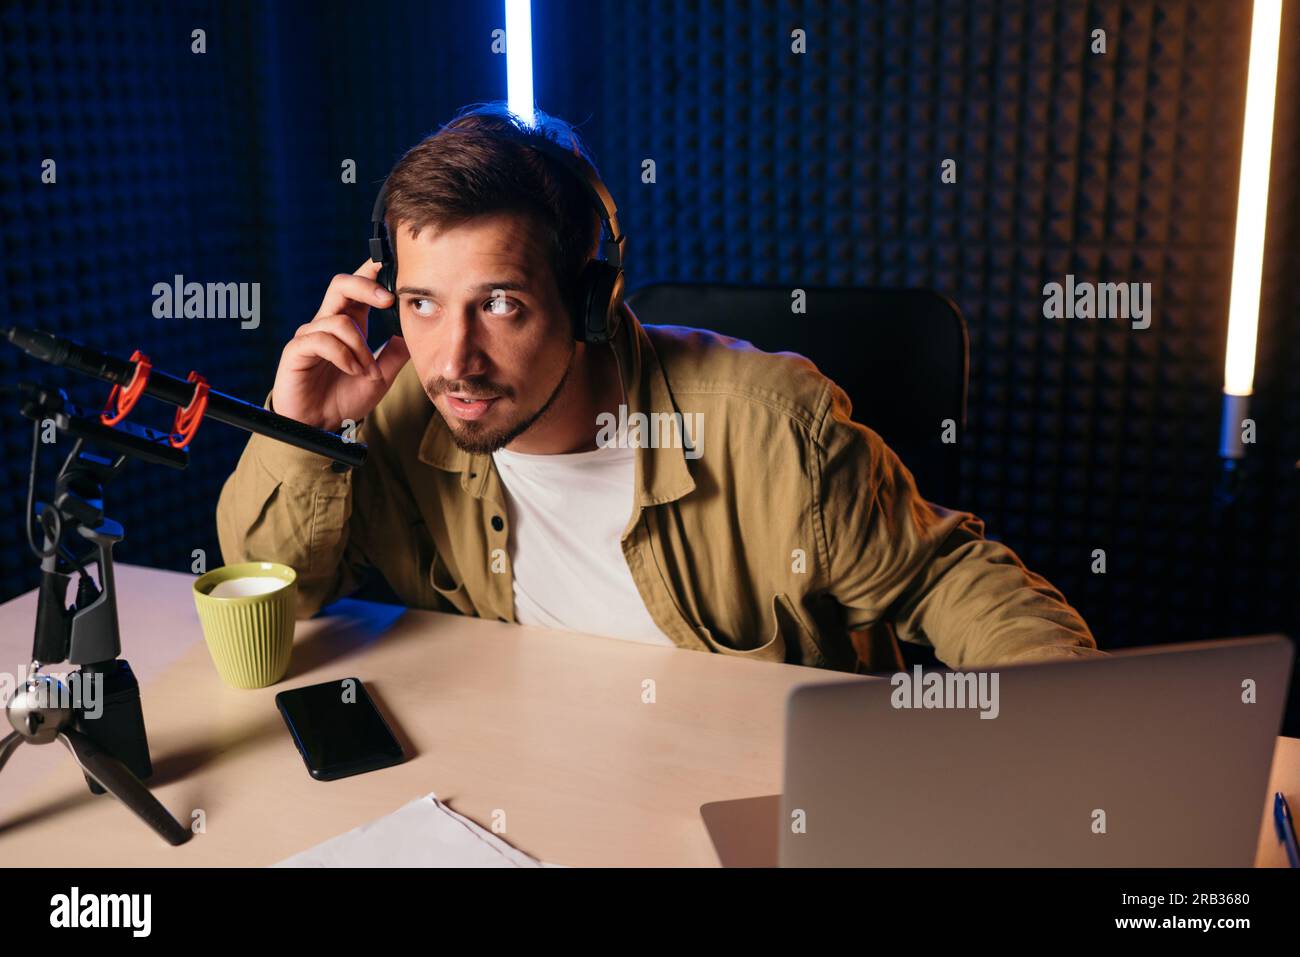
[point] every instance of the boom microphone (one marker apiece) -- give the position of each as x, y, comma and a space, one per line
179, 392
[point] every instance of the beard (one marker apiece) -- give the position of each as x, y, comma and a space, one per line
479, 439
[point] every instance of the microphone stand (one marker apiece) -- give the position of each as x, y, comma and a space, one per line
110, 747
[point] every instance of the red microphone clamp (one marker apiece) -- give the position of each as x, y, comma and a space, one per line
188, 418
122, 401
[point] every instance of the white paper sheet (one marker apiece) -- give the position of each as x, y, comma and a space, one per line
423, 833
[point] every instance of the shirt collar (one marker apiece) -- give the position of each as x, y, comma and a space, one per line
662, 474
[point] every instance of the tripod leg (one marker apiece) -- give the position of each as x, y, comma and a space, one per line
8, 746
116, 778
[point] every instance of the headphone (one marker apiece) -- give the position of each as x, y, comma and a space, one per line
598, 296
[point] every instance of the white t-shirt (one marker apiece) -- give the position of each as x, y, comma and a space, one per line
567, 513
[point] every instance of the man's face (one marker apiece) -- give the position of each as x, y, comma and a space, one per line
484, 322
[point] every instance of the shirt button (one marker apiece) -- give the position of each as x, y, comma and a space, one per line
497, 524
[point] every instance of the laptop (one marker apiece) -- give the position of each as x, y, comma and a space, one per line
1149, 757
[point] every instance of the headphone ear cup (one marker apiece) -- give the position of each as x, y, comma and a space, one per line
600, 295
387, 278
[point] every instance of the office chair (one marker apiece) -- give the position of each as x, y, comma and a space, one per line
901, 355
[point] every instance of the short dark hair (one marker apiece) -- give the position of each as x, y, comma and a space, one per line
463, 171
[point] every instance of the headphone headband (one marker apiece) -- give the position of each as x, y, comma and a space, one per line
597, 194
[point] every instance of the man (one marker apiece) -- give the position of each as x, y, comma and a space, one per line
496, 487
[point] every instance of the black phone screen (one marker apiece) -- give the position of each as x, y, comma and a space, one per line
338, 729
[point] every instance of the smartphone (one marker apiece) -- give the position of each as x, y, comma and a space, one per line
338, 730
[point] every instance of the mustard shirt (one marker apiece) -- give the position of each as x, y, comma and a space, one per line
786, 529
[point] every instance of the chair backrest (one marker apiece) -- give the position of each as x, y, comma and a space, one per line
901, 355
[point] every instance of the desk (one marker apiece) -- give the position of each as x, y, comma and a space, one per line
548, 727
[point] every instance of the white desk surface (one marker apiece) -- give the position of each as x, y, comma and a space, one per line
546, 727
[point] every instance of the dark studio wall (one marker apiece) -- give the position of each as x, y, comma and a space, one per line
820, 168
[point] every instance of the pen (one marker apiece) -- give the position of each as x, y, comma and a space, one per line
1285, 828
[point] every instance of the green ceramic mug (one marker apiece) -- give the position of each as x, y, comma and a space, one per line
248, 624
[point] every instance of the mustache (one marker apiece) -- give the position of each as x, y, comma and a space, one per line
476, 388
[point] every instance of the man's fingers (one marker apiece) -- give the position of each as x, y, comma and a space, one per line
346, 330
354, 293
330, 348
